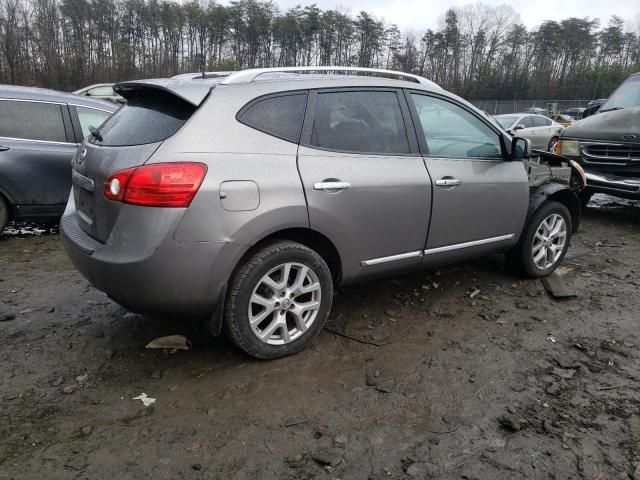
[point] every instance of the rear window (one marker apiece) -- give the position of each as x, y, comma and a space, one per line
280, 116
147, 117
32, 121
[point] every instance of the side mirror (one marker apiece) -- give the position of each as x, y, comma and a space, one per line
520, 148
518, 127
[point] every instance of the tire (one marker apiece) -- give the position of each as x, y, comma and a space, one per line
585, 196
4, 214
258, 291
523, 257
552, 145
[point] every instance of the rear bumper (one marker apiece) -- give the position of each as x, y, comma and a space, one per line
607, 183
144, 269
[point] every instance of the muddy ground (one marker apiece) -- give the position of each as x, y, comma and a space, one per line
508, 384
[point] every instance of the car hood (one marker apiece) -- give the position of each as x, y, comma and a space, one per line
610, 126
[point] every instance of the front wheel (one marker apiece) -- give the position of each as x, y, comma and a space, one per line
553, 143
279, 300
544, 242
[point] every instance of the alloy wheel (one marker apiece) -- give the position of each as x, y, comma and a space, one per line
284, 303
549, 241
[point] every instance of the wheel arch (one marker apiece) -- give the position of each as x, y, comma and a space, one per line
559, 193
313, 239
310, 238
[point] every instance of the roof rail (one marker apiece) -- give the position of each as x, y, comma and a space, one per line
250, 75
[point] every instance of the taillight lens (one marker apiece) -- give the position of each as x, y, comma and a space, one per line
157, 185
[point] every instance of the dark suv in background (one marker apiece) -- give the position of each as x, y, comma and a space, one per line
607, 144
39, 133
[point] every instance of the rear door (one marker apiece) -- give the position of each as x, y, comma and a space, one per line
480, 200
543, 132
366, 184
36, 147
528, 131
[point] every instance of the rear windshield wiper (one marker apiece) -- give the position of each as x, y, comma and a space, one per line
611, 109
95, 133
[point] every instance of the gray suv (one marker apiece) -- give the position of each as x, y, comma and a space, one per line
247, 200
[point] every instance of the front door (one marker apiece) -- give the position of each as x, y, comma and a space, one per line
366, 184
480, 199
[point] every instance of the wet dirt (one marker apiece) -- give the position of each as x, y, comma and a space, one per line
508, 384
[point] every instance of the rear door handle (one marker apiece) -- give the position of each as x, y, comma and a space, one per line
448, 182
3, 149
331, 186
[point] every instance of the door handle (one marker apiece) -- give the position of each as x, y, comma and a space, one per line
331, 186
448, 182
3, 149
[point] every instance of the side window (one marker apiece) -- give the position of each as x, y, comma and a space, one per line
527, 121
541, 122
362, 122
101, 92
90, 117
280, 116
32, 121
451, 131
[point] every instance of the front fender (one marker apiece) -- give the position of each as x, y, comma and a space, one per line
554, 191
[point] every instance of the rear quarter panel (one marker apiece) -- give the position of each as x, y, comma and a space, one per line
235, 152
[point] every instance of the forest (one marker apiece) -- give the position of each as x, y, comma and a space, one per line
477, 51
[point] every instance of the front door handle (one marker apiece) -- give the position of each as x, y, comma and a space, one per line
3, 149
448, 182
331, 186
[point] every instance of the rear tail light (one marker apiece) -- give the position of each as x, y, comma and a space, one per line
157, 185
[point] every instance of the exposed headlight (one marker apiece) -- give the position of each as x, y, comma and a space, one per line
578, 168
569, 148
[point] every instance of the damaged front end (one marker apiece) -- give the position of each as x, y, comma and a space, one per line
544, 167
555, 177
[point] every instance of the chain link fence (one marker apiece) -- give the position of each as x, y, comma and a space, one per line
498, 107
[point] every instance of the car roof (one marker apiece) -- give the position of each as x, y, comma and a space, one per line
14, 92
194, 91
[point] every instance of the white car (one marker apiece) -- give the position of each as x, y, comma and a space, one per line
542, 131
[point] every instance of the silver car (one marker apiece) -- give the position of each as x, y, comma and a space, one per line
248, 201
542, 131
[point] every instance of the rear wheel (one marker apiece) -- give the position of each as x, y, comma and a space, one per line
4, 214
544, 242
278, 300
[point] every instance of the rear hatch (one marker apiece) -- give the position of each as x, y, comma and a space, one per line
153, 113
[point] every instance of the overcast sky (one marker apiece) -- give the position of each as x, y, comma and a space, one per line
422, 14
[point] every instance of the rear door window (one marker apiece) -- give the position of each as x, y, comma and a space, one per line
32, 121
280, 116
147, 117
541, 122
527, 122
90, 117
361, 122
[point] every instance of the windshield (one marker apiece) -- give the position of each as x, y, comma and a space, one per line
626, 96
506, 120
